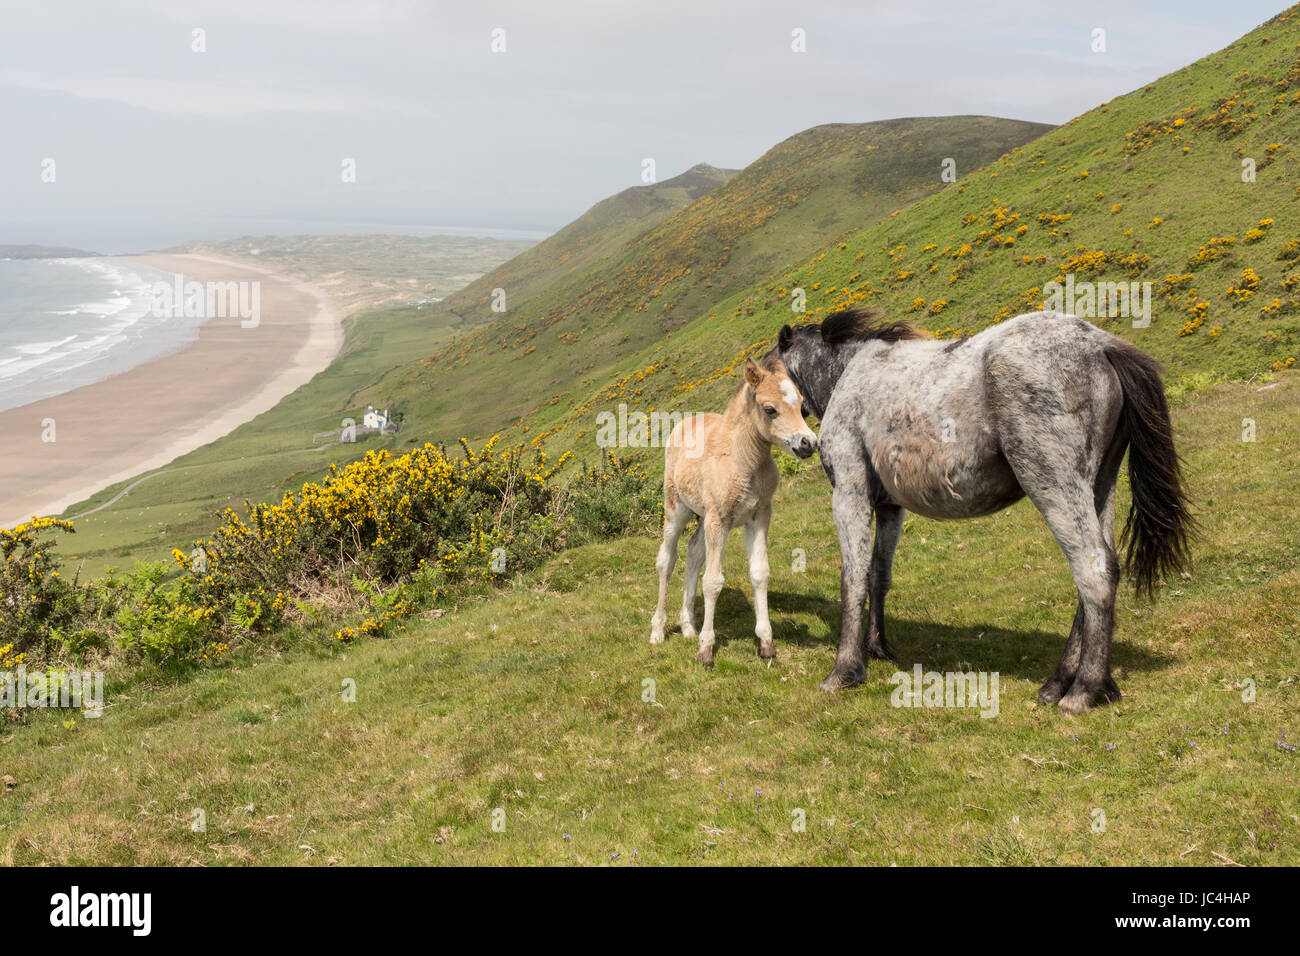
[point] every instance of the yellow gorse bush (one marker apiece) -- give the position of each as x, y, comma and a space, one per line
33, 595
1244, 287
394, 531
411, 525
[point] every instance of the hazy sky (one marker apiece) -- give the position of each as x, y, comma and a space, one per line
154, 143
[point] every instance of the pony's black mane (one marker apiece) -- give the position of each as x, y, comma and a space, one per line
863, 325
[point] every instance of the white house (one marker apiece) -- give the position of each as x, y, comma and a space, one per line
375, 419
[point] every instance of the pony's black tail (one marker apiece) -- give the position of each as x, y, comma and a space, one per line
1159, 521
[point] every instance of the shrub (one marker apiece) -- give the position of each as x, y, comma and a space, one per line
34, 596
617, 498
164, 625
1214, 248
1244, 287
389, 533
387, 520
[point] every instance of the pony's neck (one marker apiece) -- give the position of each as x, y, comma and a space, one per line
821, 381
741, 418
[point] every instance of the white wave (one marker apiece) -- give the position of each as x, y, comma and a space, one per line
40, 348
112, 330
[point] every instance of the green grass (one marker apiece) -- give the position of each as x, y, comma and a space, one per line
530, 700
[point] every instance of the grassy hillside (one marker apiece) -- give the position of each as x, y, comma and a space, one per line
560, 336
1145, 188
597, 234
531, 700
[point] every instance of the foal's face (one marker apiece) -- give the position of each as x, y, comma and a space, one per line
779, 406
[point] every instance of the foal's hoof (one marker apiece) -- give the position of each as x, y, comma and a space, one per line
766, 651
705, 657
656, 638
837, 678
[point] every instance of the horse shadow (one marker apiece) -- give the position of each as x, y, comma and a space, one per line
1023, 653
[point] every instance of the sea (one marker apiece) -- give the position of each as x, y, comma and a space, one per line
65, 323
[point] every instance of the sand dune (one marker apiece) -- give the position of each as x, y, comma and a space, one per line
144, 418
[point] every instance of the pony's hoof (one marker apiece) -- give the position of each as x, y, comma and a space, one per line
837, 678
689, 632
705, 657
767, 651
881, 651
1076, 702
1051, 692
1080, 699
656, 638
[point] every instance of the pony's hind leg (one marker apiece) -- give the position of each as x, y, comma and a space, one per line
715, 539
694, 562
889, 525
1068, 666
1063, 447
675, 520
1097, 586
1084, 669
1106, 515
759, 573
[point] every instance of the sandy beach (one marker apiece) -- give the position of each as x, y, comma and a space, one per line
146, 417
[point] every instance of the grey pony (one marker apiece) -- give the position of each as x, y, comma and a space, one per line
1043, 405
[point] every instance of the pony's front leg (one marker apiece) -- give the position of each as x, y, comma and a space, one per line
715, 539
889, 525
852, 509
759, 573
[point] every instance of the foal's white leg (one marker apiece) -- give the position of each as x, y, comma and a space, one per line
715, 539
759, 572
673, 525
694, 562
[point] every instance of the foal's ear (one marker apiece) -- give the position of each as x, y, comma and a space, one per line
753, 374
784, 337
